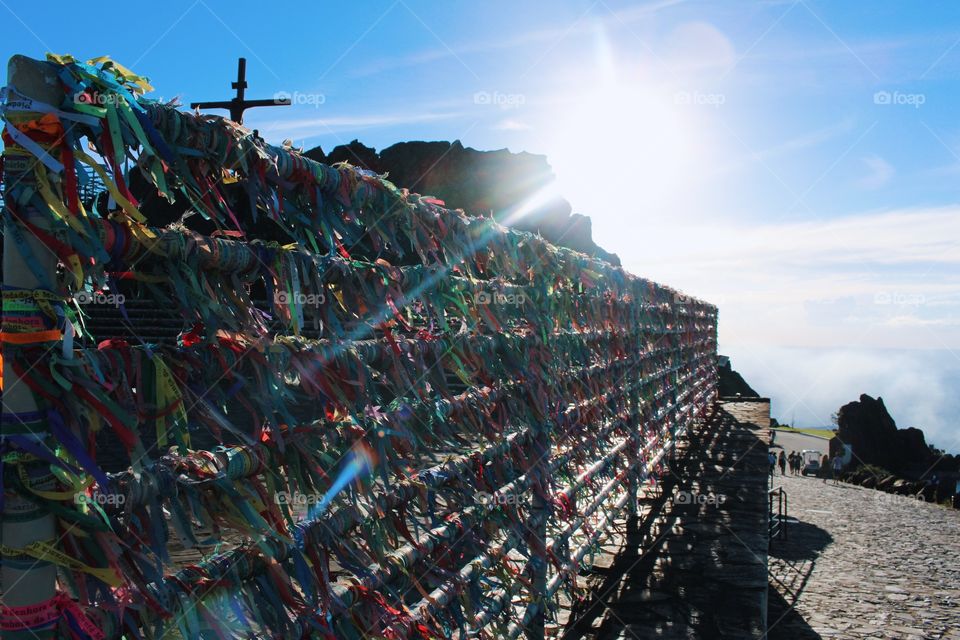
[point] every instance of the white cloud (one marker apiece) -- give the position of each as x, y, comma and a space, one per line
808, 385
886, 237
885, 279
697, 46
548, 36
312, 127
806, 140
880, 172
511, 124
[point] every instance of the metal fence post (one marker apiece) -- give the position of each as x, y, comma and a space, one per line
25, 581
632, 455
540, 513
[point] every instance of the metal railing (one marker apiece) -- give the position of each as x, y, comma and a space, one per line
778, 513
471, 412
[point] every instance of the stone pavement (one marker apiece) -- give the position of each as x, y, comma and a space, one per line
860, 563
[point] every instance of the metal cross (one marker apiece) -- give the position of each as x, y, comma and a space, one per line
238, 104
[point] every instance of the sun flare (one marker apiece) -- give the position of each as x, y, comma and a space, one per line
621, 139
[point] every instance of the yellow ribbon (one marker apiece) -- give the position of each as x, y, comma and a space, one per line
44, 550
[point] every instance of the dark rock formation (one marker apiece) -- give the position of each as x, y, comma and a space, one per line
356, 153
911, 445
730, 383
479, 182
887, 483
918, 469
869, 429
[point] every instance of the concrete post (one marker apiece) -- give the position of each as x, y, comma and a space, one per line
27, 581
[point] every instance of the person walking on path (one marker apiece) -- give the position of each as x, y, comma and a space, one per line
825, 469
837, 467
783, 463
772, 459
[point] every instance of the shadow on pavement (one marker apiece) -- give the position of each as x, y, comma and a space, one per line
784, 622
804, 542
791, 562
690, 569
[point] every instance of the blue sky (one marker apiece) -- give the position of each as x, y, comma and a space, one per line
794, 161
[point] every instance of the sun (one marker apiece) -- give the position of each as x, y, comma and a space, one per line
620, 150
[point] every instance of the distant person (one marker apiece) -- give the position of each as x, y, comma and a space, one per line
837, 468
798, 463
782, 462
825, 469
793, 463
772, 459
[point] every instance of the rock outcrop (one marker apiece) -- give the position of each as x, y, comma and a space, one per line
867, 426
730, 383
479, 182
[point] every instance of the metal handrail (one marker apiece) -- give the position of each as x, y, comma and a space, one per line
777, 521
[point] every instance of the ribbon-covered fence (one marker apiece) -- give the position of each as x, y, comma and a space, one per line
341, 411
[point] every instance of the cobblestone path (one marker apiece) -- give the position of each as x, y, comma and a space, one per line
861, 563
